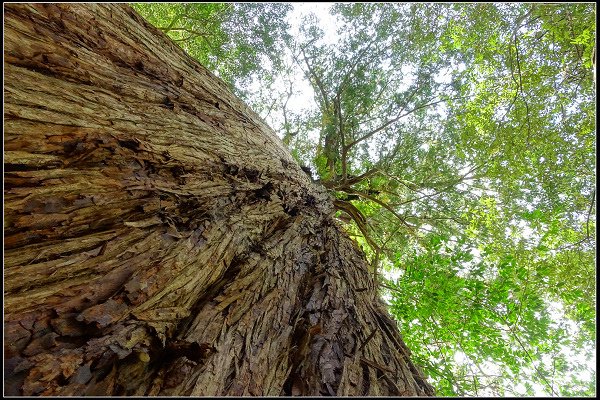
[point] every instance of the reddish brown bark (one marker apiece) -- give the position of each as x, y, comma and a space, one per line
159, 239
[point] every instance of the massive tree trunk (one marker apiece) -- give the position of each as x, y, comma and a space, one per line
159, 239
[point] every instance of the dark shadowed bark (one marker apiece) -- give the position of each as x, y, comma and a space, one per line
159, 239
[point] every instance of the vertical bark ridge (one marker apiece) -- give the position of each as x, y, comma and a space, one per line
158, 236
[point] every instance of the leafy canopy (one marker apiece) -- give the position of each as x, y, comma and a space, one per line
459, 143
237, 41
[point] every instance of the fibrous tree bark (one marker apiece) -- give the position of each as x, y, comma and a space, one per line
159, 238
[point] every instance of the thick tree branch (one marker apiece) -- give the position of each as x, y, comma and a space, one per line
382, 204
340, 184
340, 125
360, 220
317, 80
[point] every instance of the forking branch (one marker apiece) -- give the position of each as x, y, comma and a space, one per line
396, 119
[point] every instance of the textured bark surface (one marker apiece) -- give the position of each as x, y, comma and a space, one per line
159, 239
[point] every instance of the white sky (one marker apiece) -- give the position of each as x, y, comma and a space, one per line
303, 96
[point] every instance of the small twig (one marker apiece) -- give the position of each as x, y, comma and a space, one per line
367, 340
389, 287
375, 365
36, 257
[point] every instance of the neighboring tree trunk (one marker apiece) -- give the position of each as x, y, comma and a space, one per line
159, 239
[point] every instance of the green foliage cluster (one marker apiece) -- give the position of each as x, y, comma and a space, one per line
463, 137
237, 41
